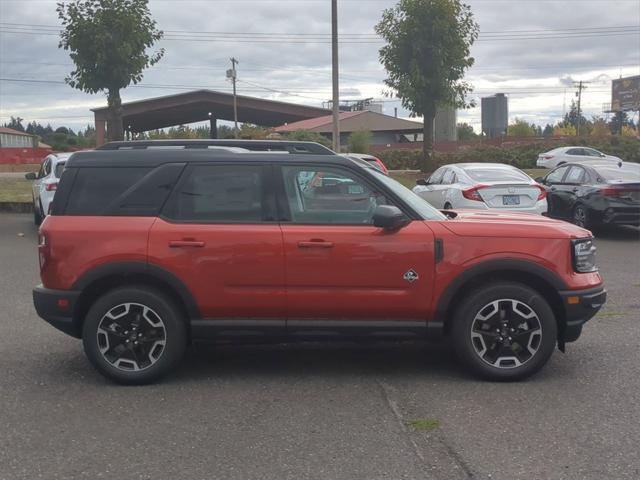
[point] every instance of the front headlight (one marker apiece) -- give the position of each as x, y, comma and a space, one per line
584, 255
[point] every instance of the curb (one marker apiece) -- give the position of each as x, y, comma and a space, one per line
16, 207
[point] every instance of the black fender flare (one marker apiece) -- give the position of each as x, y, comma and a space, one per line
131, 268
491, 266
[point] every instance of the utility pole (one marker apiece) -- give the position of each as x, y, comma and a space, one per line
579, 95
336, 83
232, 74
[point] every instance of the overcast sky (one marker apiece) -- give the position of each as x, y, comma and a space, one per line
283, 52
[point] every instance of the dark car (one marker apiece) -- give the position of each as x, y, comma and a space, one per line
594, 195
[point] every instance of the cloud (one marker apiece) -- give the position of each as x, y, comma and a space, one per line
537, 74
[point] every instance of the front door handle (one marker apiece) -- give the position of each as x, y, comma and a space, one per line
186, 243
315, 244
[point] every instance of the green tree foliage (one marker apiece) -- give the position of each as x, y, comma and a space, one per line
426, 54
522, 128
618, 121
466, 133
360, 141
108, 42
571, 118
15, 123
548, 130
306, 136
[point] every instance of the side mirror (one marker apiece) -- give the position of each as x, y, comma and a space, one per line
422, 181
390, 218
540, 180
30, 176
602, 155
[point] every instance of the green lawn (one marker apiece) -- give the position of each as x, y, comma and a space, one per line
15, 190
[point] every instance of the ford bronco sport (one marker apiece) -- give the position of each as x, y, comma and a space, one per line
153, 245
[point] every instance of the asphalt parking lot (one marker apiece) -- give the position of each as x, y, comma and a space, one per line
318, 411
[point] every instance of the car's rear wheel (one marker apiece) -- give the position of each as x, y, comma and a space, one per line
504, 331
134, 335
580, 216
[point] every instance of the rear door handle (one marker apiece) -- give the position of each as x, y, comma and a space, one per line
315, 244
185, 243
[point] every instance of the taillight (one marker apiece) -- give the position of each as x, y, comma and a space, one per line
543, 193
547, 157
50, 187
382, 166
472, 193
611, 192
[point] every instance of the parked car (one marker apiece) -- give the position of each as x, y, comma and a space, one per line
45, 183
149, 249
482, 186
559, 156
373, 161
594, 195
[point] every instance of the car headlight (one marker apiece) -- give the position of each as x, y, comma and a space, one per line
584, 255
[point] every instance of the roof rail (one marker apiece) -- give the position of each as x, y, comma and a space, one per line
252, 145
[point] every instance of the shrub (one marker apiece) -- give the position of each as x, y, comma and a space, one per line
360, 142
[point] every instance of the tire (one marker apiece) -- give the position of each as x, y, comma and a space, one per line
134, 335
479, 326
37, 213
580, 217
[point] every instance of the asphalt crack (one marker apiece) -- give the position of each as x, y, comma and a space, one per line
439, 458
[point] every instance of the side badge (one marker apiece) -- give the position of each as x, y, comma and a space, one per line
411, 276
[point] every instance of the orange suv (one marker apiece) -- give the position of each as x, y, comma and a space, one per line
153, 245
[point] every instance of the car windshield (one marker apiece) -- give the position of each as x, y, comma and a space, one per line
481, 174
58, 170
626, 173
424, 209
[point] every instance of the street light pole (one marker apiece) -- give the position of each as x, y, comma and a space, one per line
335, 77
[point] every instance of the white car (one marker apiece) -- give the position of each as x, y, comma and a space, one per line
46, 183
558, 156
483, 186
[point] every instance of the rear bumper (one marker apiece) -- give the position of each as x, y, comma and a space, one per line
580, 307
56, 307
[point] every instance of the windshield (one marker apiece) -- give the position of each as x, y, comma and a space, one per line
425, 210
59, 168
497, 175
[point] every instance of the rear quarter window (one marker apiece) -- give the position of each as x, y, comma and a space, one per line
95, 189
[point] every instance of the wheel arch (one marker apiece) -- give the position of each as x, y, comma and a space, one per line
106, 277
546, 282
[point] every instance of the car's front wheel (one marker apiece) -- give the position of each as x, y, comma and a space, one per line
37, 213
134, 335
504, 331
580, 216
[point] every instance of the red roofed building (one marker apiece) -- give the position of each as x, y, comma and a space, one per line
21, 148
385, 129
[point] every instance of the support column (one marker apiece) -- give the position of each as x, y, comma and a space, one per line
100, 124
213, 128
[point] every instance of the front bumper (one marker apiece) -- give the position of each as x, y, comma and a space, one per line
57, 307
580, 307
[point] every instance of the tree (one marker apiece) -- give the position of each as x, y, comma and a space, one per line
619, 120
465, 132
426, 54
360, 141
548, 130
521, 128
564, 130
108, 42
599, 127
15, 123
572, 117
307, 136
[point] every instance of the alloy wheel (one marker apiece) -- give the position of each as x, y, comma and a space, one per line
131, 337
580, 216
506, 333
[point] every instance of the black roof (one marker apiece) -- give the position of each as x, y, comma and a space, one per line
158, 156
253, 145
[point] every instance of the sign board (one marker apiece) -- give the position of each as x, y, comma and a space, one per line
625, 94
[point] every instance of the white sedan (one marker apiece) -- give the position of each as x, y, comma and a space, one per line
46, 183
483, 186
558, 156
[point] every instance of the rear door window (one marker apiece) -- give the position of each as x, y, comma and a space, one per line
575, 175
220, 194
